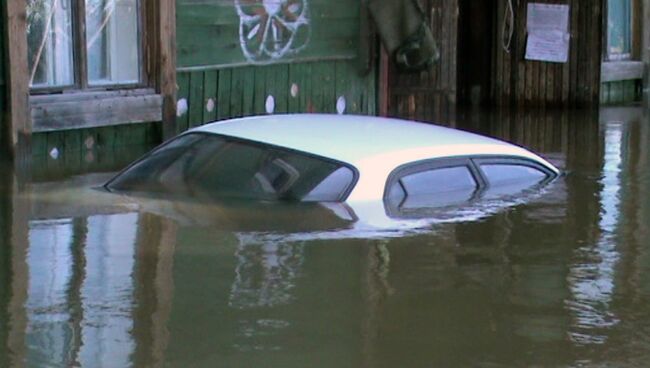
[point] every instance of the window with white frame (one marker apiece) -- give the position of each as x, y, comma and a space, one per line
84, 44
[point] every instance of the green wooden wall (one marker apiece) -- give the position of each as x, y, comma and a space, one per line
620, 92
63, 153
216, 32
217, 80
219, 77
300, 87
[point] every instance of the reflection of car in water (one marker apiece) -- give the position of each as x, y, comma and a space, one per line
372, 171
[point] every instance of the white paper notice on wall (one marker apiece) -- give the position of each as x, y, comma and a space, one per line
548, 32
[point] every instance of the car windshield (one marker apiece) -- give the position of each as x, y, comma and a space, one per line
203, 165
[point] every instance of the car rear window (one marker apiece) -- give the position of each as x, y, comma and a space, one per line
207, 165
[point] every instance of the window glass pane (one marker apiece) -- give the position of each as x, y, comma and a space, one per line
502, 174
436, 188
112, 29
332, 187
49, 43
439, 180
200, 165
396, 194
619, 28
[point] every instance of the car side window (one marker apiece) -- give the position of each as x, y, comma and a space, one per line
504, 174
510, 178
432, 188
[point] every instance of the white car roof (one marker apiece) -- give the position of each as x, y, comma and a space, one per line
358, 139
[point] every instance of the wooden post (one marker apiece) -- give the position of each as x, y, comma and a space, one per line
384, 80
19, 125
645, 45
166, 12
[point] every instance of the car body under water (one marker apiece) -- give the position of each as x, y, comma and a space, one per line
375, 172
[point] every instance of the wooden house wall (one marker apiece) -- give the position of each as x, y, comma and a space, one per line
519, 82
621, 92
224, 93
429, 95
209, 32
216, 80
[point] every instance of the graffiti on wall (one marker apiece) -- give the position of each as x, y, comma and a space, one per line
270, 30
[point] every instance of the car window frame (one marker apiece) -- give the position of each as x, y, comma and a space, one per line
342, 198
472, 162
513, 161
416, 167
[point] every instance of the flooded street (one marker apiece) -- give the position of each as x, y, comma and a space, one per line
562, 279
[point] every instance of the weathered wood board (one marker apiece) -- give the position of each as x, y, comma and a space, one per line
319, 87
218, 33
110, 148
621, 92
524, 83
429, 95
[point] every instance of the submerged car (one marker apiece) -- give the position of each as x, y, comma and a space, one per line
377, 167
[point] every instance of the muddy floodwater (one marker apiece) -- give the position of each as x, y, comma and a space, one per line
561, 279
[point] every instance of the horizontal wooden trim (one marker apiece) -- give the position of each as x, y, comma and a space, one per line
89, 95
612, 71
200, 68
94, 109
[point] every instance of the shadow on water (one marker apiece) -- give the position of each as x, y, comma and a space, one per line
562, 279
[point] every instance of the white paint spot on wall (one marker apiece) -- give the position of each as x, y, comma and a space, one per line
181, 107
270, 104
54, 153
209, 106
341, 105
272, 29
294, 90
89, 142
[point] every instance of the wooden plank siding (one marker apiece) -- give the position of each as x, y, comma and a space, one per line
299, 87
59, 154
621, 92
209, 33
524, 83
218, 80
428, 95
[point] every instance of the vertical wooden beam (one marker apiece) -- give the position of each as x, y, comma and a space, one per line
645, 40
637, 28
166, 39
383, 82
597, 15
19, 123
